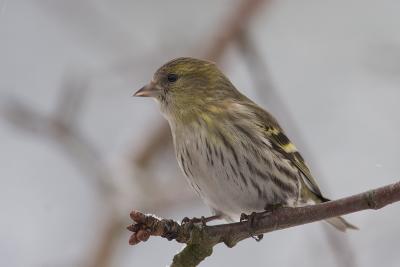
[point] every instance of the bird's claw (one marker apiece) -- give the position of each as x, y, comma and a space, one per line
202, 220
258, 238
185, 220
244, 217
250, 219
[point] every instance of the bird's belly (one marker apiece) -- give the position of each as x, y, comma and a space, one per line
227, 185
228, 198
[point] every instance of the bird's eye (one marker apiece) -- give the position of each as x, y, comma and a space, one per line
172, 77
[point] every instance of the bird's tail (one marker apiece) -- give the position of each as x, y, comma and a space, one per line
338, 222
341, 224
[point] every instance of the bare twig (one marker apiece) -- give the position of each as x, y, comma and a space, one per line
84, 154
103, 251
80, 150
233, 27
60, 127
200, 239
72, 97
63, 132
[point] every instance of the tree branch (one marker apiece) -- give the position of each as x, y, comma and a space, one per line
201, 239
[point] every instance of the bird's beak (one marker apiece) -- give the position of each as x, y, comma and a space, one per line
149, 90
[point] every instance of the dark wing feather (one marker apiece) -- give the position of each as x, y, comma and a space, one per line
282, 144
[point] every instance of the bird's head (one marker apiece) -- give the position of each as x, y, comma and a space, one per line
186, 86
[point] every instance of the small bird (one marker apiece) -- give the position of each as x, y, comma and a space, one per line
233, 153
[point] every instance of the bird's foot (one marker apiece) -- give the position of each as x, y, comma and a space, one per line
202, 220
250, 219
191, 221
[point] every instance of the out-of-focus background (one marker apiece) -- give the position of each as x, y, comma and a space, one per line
78, 153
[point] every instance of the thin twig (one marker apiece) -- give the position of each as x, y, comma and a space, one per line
200, 239
84, 154
72, 96
80, 150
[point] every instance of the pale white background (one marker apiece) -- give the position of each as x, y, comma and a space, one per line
334, 64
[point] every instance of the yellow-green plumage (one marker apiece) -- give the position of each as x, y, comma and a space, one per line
233, 153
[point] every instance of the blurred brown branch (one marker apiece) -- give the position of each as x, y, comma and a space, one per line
228, 33
79, 149
201, 239
60, 127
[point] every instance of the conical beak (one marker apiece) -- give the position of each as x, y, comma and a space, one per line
149, 90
